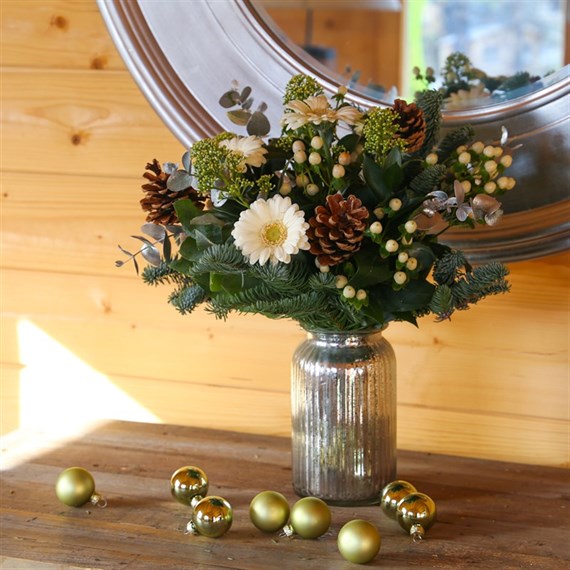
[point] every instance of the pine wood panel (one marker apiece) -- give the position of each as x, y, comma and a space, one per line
490, 515
63, 34
360, 39
80, 122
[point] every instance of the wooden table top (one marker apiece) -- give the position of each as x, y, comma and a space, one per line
490, 514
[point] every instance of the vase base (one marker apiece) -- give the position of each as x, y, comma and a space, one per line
344, 502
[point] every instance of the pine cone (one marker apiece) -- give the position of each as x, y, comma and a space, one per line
412, 124
159, 200
336, 230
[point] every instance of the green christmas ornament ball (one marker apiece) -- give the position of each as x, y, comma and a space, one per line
416, 514
392, 494
269, 511
212, 517
75, 486
187, 483
359, 541
310, 517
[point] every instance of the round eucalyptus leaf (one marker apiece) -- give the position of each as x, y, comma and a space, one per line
239, 117
258, 124
179, 181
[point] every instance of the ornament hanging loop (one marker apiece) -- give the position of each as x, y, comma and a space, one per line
417, 533
98, 500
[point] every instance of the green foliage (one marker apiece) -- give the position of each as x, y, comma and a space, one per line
428, 180
453, 139
461, 286
430, 102
186, 299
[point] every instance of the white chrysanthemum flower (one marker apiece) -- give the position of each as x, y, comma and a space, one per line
250, 148
317, 110
271, 230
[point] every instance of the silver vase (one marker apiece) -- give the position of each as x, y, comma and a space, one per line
343, 397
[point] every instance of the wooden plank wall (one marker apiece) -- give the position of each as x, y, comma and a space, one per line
76, 133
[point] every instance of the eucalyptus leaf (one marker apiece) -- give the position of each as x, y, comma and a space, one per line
246, 92
179, 181
186, 161
262, 107
247, 104
258, 124
239, 117
154, 231
170, 167
206, 220
151, 254
229, 99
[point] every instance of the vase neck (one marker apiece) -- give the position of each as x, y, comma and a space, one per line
345, 338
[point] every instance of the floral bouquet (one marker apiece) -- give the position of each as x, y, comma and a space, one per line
334, 224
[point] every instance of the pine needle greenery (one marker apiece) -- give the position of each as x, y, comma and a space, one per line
337, 231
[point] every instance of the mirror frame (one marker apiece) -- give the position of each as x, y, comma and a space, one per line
183, 56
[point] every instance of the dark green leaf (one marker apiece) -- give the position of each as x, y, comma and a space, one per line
189, 249
393, 176
166, 248
375, 179
181, 265
414, 296
370, 269
186, 211
349, 142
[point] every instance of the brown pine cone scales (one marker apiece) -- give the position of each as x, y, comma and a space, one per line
159, 200
412, 124
335, 232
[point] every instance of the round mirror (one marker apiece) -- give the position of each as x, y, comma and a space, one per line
184, 55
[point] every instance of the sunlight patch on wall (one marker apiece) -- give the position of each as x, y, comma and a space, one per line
61, 398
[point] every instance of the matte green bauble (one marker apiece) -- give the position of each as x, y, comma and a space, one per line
310, 517
187, 483
415, 514
392, 494
269, 511
75, 486
212, 517
359, 541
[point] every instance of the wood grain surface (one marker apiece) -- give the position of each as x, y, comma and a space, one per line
490, 514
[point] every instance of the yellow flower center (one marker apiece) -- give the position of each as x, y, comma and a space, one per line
274, 234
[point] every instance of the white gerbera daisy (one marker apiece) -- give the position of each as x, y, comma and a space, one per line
250, 149
271, 230
316, 110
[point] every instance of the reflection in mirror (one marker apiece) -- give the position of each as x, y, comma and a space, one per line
373, 45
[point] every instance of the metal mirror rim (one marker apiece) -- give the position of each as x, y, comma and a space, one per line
237, 29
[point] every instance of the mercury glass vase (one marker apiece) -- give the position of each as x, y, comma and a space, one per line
343, 398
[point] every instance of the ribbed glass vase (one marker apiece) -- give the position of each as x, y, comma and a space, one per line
343, 397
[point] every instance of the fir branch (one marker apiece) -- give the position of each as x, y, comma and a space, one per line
453, 139
283, 278
482, 281
442, 303
186, 299
429, 179
163, 274
220, 258
430, 102
322, 282
450, 267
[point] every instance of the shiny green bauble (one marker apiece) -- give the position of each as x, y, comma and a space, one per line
392, 494
359, 541
74, 486
269, 511
310, 517
212, 516
415, 514
188, 482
